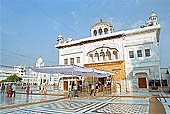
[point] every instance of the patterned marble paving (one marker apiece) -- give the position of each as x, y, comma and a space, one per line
99, 105
123, 108
23, 99
166, 103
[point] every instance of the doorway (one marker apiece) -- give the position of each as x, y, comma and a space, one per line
142, 82
118, 87
65, 85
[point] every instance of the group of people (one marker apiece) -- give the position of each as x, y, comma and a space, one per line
9, 89
94, 88
73, 90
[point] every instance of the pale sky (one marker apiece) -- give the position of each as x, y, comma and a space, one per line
29, 28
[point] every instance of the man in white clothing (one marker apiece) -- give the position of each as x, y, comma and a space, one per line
13, 89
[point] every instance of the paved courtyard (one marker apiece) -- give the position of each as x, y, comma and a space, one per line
39, 104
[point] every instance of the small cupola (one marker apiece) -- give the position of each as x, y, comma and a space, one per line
101, 28
153, 19
60, 39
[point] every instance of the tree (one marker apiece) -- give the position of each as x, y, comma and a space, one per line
12, 78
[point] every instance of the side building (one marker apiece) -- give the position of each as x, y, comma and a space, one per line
28, 76
6, 71
133, 55
36, 78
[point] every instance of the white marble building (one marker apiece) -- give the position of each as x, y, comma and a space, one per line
6, 71
132, 55
41, 78
29, 76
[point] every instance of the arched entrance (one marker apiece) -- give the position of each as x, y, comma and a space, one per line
118, 87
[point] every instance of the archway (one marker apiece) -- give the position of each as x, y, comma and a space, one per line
142, 82
118, 87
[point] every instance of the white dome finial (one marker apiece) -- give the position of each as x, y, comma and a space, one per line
152, 11
39, 62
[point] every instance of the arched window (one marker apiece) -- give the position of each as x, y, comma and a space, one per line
115, 53
105, 30
95, 32
100, 31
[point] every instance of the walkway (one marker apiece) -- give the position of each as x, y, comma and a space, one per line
36, 104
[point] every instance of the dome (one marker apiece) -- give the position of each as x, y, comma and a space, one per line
101, 23
40, 60
101, 28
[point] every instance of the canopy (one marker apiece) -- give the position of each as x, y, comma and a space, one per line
72, 70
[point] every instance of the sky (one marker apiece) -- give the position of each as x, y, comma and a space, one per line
29, 28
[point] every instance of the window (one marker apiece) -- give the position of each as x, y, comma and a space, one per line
105, 30
71, 61
100, 31
95, 32
147, 52
116, 55
139, 52
131, 54
78, 59
157, 83
164, 83
65, 61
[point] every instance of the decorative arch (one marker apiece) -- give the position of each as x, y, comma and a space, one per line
102, 54
103, 47
119, 86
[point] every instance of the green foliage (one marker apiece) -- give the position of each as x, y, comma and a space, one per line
2, 81
12, 78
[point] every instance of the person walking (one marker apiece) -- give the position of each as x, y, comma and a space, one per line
70, 91
3, 88
75, 91
9, 90
97, 88
7, 86
28, 89
45, 89
89, 89
92, 90
105, 86
13, 89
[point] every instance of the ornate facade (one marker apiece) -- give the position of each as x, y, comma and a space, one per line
132, 55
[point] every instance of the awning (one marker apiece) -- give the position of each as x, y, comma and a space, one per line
72, 70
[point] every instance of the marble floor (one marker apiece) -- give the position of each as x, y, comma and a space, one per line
166, 103
78, 105
86, 105
23, 99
